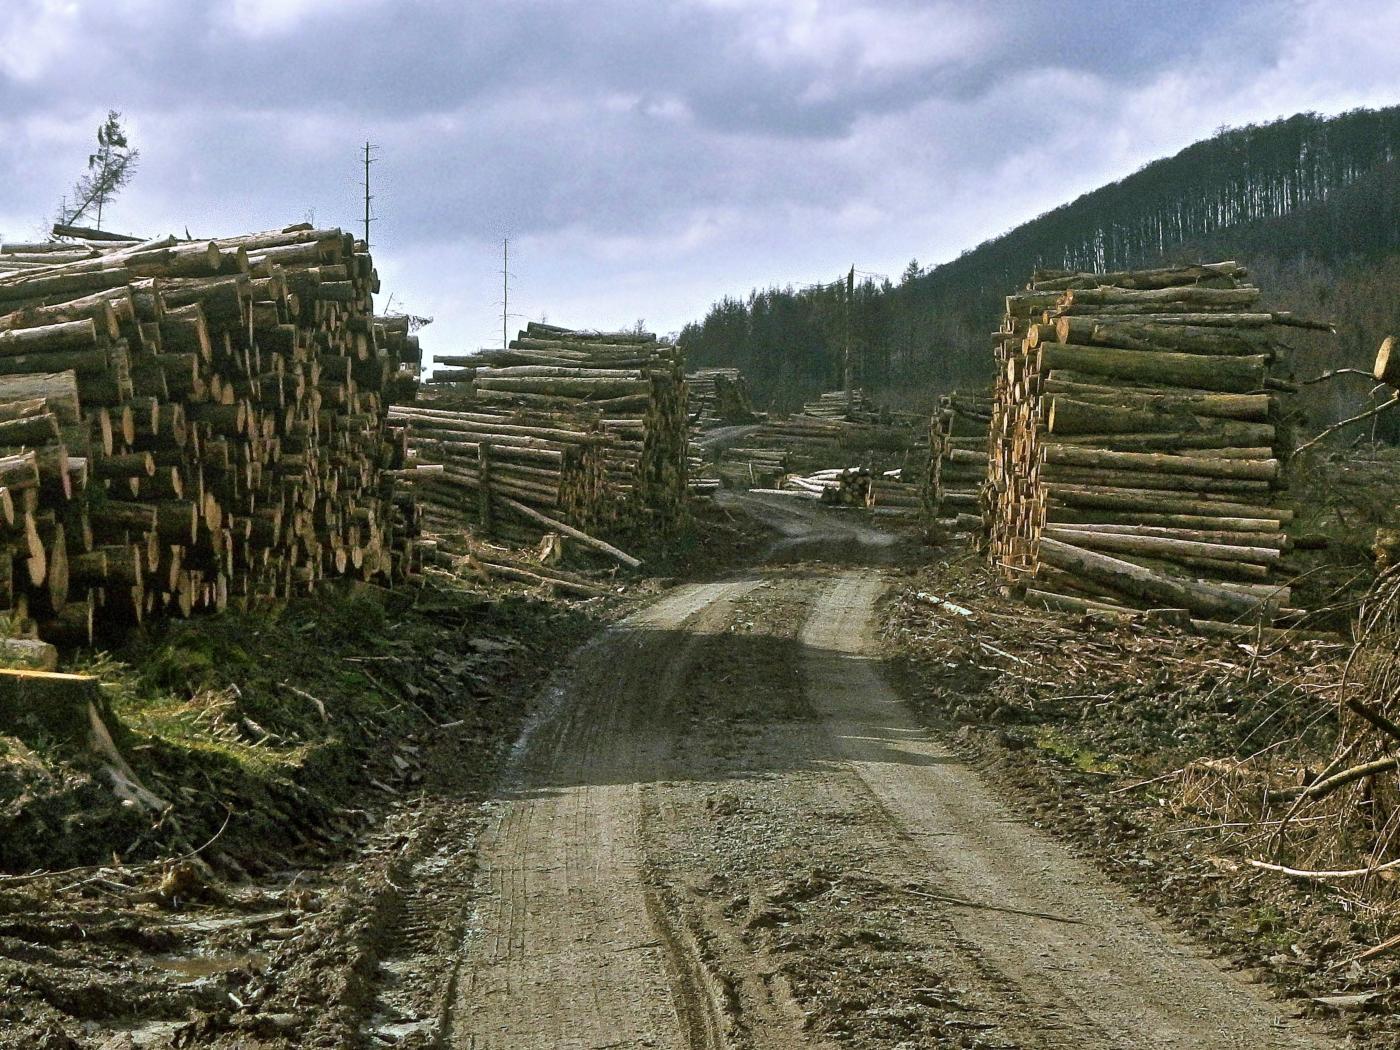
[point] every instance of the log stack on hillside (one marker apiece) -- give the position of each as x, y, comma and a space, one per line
719, 397
1136, 455
584, 430
189, 425
957, 465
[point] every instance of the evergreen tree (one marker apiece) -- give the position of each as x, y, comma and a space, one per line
109, 169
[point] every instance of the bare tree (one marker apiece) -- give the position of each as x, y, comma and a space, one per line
109, 169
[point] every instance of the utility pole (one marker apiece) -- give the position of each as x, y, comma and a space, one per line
369, 159
846, 354
505, 293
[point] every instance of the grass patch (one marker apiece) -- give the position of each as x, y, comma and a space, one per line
272, 721
1066, 749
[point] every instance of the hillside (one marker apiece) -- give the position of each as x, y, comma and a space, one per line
1309, 203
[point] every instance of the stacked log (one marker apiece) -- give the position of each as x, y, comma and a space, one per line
747, 468
957, 465
581, 429
814, 440
719, 397
839, 486
464, 462
834, 404
895, 493
189, 425
1136, 454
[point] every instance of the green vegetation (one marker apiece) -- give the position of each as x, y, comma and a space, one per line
1062, 746
272, 721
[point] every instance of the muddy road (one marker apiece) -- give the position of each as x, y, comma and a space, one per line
722, 829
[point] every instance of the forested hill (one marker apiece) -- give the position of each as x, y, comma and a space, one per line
1311, 202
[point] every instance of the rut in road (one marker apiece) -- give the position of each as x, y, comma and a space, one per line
782, 857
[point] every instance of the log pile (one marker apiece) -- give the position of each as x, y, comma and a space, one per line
189, 425
896, 493
956, 473
464, 463
747, 468
1136, 449
719, 397
838, 486
804, 435
564, 429
835, 405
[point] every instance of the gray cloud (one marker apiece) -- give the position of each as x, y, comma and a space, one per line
647, 157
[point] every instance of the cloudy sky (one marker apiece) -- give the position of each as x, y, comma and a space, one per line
647, 156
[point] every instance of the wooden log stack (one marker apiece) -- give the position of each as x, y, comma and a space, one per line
838, 486
583, 429
189, 425
956, 472
747, 468
465, 462
809, 438
1136, 453
719, 397
897, 493
834, 404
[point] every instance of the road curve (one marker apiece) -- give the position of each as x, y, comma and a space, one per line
733, 736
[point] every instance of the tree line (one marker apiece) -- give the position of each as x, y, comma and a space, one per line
1305, 193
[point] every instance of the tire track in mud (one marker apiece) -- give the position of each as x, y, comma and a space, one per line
570, 945
709, 842
1094, 966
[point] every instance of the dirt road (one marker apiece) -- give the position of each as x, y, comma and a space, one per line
724, 830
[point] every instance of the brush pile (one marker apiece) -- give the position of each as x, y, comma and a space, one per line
190, 424
719, 397
563, 431
1136, 449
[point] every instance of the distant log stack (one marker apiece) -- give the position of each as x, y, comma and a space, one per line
813, 440
840, 486
747, 468
189, 425
719, 397
896, 493
957, 465
835, 405
1136, 453
464, 465
583, 429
